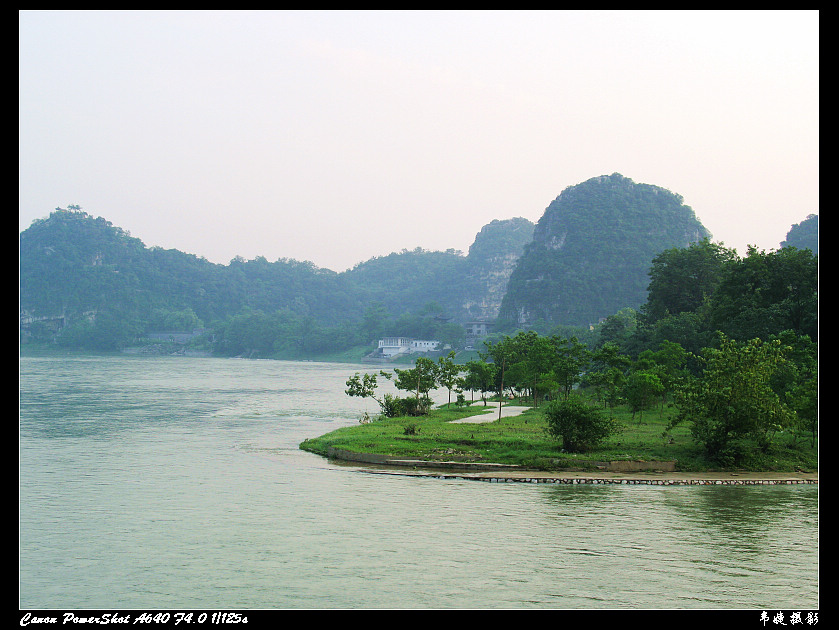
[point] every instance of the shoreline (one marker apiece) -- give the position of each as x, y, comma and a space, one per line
500, 473
619, 472
650, 479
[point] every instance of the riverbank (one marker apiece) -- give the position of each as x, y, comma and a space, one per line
511, 445
511, 474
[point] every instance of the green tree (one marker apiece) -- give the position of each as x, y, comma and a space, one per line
618, 328
803, 399
608, 373
503, 354
373, 322
526, 360
798, 383
421, 379
764, 294
183, 319
480, 376
579, 426
732, 400
667, 363
363, 386
642, 389
569, 360
681, 279
691, 331
448, 374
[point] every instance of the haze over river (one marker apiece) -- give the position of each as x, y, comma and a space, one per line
177, 483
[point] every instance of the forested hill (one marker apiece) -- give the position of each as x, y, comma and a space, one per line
91, 279
73, 263
591, 251
602, 248
804, 235
461, 287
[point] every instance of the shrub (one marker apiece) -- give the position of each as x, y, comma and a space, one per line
395, 407
391, 407
577, 424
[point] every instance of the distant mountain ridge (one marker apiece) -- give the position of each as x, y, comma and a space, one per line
75, 266
804, 235
586, 258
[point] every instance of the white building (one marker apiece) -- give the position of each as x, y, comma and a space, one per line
391, 346
421, 345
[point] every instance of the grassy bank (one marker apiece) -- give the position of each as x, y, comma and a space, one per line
522, 440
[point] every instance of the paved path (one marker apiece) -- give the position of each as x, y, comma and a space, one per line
506, 410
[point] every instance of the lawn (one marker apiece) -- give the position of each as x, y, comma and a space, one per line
523, 440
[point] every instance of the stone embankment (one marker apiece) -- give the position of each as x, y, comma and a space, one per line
621, 473
669, 480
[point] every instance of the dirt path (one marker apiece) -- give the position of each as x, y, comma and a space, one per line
506, 411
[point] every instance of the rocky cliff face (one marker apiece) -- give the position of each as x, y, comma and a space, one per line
592, 249
491, 260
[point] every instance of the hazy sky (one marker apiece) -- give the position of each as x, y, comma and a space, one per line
335, 136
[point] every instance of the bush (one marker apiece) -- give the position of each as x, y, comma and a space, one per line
395, 407
577, 424
391, 406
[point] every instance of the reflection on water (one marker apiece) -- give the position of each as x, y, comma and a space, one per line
177, 482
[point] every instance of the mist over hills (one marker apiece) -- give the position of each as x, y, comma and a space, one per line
94, 285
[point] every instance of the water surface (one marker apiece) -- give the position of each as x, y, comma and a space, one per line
161, 483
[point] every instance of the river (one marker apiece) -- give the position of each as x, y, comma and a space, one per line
176, 482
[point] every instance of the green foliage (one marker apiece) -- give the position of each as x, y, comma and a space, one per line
732, 400
448, 374
608, 373
758, 296
766, 293
533, 364
480, 376
797, 383
618, 328
105, 333
405, 283
499, 238
422, 378
578, 425
691, 331
363, 386
392, 406
642, 389
681, 280
396, 407
570, 360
